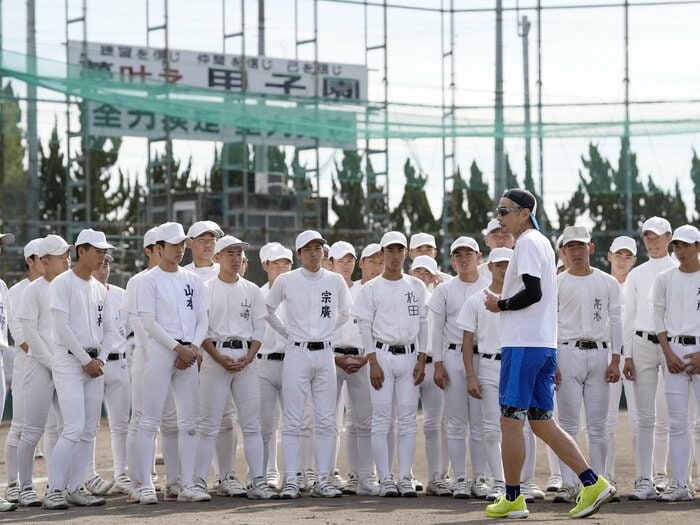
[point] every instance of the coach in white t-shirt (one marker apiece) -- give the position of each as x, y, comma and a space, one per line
528, 346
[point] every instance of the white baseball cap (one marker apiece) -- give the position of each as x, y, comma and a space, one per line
500, 254
326, 249
394, 238
266, 248
93, 238
171, 232
200, 227
658, 225
306, 237
229, 240
623, 243
686, 233
425, 261
32, 248
371, 249
464, 242
149, 238
575, 234
560, 241
422, 239
109, 258
275, 253
53, 245
492, 225
340, 249
6, 238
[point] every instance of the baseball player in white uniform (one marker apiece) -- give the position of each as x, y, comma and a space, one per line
276, 260
82, 334
35, 269
481, 358
353, 373
172, 305
496, 237
393, 319
622, 256
446, 303
237, 314
317, 303
645, 362
117, 392
677, 324
53, 253
5, 314
589, 323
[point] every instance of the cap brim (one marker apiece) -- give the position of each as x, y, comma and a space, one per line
568, 241
657, 231
102, 246
7, 238
424, 267
176, 240
317, 239
684, 239
241, 245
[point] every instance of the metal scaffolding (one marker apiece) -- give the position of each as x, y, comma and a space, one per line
449, 145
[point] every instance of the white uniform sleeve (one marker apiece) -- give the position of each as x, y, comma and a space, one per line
437, 306
276, 323
154, 330
423, 329
200, 333
630, 298
37, 348
363, 312
63, 333
344, 304
109, 332
615, 318
658, 296
13, 322
259, 314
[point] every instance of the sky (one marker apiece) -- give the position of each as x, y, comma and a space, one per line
582, 62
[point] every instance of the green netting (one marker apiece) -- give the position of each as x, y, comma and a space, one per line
324, 119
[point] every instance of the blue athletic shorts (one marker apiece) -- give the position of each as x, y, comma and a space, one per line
527, 377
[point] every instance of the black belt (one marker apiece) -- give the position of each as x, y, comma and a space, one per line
116, 356
650, 337
428, 359
92, 352
497, 357
235, 343
686, 340
274, 356
183, 343
588, 345
346, 350
313, 345
453, 346
397, 349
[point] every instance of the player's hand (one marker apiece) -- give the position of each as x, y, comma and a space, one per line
628, 369
440, 375
674, 363
418, 373
24, 347
613, 373
376, 375
188, 354
180, 364
693, 364
557, 378
491, 301
93, 368
346, 363
473, 387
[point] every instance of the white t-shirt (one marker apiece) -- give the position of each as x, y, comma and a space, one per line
82, 303
34, 314
15, 297
115, 298
639, 311
175, 298
475, 318
205, 272
129, 308
5, 314
236, 310
317, 303
536, 325
392, 312
273, 341
348, 336
590, 308
676, 303
445, 303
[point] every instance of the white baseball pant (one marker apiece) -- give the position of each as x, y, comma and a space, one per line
614, 418
226, 442
17, 423
489, 375
270, 378
432, 401
358, 435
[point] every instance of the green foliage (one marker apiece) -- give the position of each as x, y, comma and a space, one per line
480, 204
13, 178
52, 180
413, 213
348, 199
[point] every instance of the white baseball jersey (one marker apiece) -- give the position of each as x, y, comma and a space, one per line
317, 303
446, 302
639, 312
80, 316
676, 303
348, 336
204, 272
392, 312
15, 298
475, 318
5, 314
35, 318
236, 310
534, 326
115, 298
129, 306
273, 341
590, 308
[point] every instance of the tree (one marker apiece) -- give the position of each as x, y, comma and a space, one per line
456, 207
480, 202
545, 224
695, 178
52, 180
348, 200
13, 178
377, 209
413, 212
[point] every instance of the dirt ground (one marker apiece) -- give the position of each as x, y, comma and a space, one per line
350, 509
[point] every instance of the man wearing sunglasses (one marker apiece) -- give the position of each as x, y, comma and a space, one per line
528, 328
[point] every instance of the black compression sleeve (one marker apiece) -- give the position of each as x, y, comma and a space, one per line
524, 298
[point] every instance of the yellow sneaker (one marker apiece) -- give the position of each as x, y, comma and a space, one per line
502, 508
591, 498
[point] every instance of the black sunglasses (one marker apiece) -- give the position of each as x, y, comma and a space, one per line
503, 210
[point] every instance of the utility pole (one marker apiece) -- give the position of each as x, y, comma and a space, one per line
499, 164
261, 167
32, 197
540, 139
627, 167
523, 32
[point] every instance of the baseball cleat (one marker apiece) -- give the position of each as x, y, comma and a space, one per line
387, 489
12, 492
566, 494
98, 486
461, 489
80, 498
643, 490
323, 488
675, 492
290, 489
29, 498
54, 500
259, 489
193, 493
406, 488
